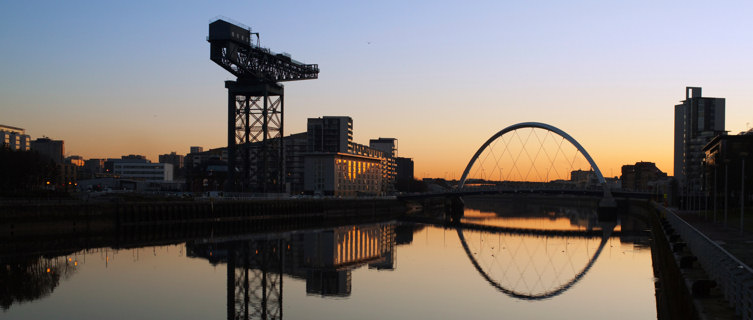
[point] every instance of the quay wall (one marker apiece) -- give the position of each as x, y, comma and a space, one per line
51, 219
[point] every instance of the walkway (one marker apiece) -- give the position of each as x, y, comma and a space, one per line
728, 238
722, 253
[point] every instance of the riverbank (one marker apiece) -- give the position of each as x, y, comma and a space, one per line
56, 217
719, 284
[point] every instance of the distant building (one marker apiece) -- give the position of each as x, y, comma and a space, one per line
53, 149
14, 138
641, 176
75, 160
404, 174
723, 163
151, 172
137, 167
389, 166
206, 170
174, 159
93, 168
342, 174
330, 134
584, 178
697, 120
196, 149
296, 146
335, 165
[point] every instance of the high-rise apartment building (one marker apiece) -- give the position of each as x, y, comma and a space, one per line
14, 138
330, 134
697, 120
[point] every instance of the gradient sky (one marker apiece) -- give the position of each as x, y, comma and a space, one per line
134, 77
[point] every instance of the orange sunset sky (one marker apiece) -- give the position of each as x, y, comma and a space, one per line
135, 78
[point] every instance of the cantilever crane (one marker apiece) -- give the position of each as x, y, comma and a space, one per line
255, 106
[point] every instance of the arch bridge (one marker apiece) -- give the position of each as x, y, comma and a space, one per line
607, 199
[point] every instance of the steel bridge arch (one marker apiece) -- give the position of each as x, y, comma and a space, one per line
538, 125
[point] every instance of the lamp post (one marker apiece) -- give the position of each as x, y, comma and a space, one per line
726, 196
742, 189
716, 191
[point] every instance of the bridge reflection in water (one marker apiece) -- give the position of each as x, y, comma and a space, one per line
529, 249
532, 250
526, 250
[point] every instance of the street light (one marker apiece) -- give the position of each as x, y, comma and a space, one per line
726, 196
716, 191
742, 189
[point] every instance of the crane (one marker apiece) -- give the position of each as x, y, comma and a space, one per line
256, 148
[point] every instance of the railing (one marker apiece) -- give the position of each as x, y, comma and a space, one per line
733, 276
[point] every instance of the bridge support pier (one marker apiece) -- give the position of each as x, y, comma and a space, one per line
607, 206
455, 209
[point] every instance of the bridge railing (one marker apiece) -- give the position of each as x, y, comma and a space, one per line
733, 276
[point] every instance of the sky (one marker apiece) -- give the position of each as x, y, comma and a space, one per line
112, 78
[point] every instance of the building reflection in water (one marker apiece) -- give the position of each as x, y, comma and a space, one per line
545, 246
324, 258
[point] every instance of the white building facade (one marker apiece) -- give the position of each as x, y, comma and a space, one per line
14, 138
150, 172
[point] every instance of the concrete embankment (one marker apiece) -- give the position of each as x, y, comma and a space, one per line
18, 220
687, 287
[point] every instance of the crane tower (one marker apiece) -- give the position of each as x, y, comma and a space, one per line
255, 105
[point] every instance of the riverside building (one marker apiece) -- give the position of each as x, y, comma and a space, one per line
698, 119
14, 138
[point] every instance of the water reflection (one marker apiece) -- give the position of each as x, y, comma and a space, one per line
529, 251
29, 279
535, 250
324, 258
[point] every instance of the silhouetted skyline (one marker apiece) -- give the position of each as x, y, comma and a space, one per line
135, 78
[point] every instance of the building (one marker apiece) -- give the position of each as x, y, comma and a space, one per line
641, 176
93, 168
342, 174
296, 146
196, 159
176, 160
53, 149
404, 174
729, 158
137, 167
206, 170
150, 172
330, 134
14, 138
389, 166
75, 160
584, 178
697, 120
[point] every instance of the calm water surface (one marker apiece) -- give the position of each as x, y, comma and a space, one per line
540, 262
